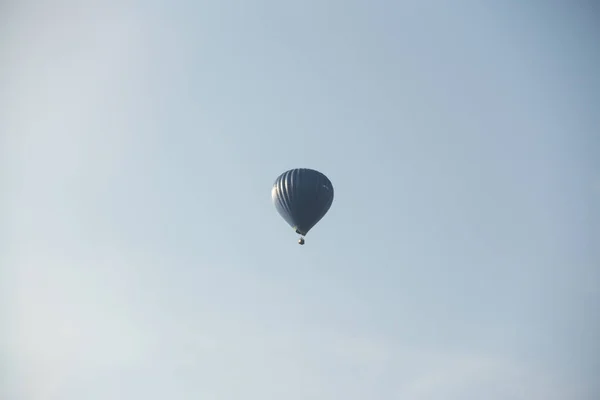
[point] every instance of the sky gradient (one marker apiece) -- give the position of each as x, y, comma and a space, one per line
141, 255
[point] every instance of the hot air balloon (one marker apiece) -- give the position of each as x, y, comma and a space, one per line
302, 197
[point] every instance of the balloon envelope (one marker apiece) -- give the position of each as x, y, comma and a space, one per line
302, 197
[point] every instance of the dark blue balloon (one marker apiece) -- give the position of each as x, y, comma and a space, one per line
302, 197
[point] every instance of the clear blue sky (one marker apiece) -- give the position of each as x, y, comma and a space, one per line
142, 256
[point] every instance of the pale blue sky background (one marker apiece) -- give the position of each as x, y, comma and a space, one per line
142, 257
